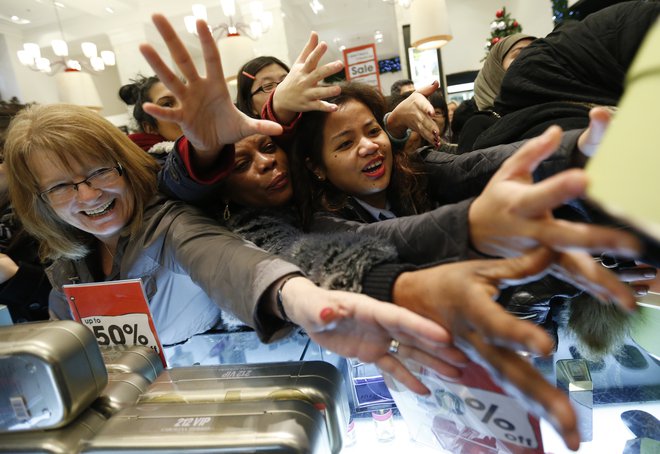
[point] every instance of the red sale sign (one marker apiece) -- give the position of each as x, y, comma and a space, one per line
116, 312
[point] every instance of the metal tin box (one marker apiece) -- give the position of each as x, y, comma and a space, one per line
50, 372
66, 440
292, 426
134, 359
122, 391
317, 382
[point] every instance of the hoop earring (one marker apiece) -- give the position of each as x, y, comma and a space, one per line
226, 214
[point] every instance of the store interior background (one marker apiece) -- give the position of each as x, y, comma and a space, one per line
343, 22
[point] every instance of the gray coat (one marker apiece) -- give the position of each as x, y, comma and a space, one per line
191, 268
442, 234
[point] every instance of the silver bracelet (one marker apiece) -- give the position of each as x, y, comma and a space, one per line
393, 139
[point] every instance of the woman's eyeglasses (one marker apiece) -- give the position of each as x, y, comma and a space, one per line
64, 192
267, 87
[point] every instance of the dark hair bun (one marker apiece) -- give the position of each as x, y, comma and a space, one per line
129, 93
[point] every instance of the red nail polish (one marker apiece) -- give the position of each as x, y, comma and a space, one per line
327, 314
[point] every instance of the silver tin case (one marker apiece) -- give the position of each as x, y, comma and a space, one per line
65, 440
134, 359
230, 427
317, 382
122, 391
50, 372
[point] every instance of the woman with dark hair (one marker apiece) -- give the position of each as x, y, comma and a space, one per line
256, 80
318, 190
153, 135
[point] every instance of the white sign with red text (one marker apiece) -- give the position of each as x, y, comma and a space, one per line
361, 65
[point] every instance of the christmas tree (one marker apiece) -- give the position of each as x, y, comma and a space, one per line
502, 26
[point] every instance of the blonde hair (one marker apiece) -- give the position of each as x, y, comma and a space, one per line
69, 134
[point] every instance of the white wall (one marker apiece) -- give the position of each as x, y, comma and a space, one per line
8, 84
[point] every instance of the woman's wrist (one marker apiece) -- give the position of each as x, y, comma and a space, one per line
409, 292
281, 113
283, 299
396, 132
279, 301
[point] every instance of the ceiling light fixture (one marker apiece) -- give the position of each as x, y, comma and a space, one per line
262, 21
14, 19
429, 24
234, 37
30, 55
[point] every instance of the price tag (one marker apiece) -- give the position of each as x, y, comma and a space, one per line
472, 413
500, 414
116, 312
129, 329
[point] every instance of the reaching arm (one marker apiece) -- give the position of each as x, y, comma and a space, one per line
206, 113
437, 235
245, 280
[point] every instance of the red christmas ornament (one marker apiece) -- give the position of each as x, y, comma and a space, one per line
499, 13
495, 40
515, 23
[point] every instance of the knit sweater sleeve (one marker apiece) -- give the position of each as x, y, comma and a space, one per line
337, 261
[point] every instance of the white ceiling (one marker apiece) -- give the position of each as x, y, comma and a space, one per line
343, 22
42, 12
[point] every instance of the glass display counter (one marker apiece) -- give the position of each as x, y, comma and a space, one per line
626, 382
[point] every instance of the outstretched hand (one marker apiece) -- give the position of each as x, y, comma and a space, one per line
206, 113
460, 296
416, 112
513, 215
355, 325
300, 90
